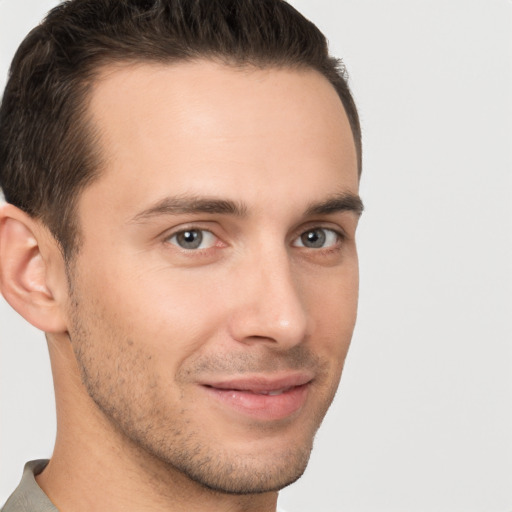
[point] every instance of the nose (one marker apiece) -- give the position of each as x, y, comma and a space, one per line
269, 303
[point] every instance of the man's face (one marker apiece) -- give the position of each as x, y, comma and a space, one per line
214, 295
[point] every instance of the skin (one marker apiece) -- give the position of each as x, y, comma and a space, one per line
142, 330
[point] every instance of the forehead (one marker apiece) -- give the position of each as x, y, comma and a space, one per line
207, 128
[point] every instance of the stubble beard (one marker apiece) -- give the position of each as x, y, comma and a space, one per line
165, 442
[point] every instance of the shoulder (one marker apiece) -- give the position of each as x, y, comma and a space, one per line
28, 496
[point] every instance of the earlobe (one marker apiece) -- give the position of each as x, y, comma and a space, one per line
24, 271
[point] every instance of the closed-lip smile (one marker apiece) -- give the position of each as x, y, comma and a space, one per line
263, 397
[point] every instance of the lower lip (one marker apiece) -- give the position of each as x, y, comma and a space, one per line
262, 407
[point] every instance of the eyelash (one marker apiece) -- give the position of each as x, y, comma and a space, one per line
339, 235
201, 232
334, 245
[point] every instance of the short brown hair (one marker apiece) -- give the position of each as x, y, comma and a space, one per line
47, 146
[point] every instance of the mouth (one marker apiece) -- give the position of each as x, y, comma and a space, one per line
261, 397
276, 392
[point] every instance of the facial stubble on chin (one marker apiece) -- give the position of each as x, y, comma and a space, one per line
120, 381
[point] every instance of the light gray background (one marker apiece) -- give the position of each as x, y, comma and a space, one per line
423, 421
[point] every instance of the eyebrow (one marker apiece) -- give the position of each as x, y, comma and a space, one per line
180, 205
346, 201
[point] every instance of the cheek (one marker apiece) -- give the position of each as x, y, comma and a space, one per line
332, 308
170, 314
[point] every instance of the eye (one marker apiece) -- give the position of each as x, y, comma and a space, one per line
191, 239
318, 238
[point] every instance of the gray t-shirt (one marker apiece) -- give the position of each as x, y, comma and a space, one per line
28, 496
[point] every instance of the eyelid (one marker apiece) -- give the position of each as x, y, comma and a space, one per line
192, 226
188, 226
311, 226
207, 237
337, 230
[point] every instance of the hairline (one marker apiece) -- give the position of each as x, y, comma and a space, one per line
98, 70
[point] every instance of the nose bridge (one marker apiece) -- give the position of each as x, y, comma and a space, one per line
270, 304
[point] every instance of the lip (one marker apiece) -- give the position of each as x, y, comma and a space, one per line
262, 397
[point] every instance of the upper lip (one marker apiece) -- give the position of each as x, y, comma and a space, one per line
261, 383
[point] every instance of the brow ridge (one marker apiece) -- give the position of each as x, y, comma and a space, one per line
345, 201
179, 205
185, 204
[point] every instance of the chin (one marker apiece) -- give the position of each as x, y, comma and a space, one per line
254, 474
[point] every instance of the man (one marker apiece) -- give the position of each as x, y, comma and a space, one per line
181, 185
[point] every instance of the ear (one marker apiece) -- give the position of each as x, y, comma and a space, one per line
32, 279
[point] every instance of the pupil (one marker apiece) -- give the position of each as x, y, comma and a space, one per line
190, 239
314, 238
